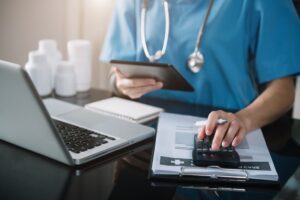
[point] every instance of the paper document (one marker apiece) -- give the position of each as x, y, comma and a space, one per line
174, 145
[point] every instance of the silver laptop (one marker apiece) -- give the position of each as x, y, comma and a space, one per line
72, 135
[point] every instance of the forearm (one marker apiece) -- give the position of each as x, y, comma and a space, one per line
277, 99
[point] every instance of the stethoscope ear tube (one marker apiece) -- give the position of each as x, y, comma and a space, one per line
159, 53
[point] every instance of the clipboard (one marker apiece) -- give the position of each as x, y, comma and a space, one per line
215, 186
189, 176
166, 168
165, 73
214, 176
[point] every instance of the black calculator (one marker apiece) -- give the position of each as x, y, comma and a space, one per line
203, 155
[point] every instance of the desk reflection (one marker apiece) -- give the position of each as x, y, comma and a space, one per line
124, 174
26, 175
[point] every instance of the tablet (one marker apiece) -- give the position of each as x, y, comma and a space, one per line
165, 73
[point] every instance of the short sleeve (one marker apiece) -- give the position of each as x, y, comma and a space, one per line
120, 41
276, 40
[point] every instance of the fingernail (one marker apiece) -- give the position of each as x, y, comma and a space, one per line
159, 84
234, 143
207, 132
224, 144
214, 147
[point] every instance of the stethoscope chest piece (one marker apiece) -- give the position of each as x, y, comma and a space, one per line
195, 61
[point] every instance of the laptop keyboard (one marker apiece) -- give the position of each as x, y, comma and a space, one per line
79, 139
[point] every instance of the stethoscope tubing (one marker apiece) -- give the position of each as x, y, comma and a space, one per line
203, 26
160, 53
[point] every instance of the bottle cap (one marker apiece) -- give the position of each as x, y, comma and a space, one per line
65, 67
48, 45
79, 48
79, 43
37, 57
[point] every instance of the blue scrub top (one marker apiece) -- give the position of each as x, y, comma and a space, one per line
246, 43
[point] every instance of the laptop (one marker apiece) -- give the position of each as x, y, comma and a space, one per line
62, 131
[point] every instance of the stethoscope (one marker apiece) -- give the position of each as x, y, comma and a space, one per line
196, 60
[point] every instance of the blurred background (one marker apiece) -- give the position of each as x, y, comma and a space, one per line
24, 23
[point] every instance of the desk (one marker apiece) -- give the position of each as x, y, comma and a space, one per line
123, 174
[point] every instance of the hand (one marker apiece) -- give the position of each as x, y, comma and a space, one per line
135, 87
231, 133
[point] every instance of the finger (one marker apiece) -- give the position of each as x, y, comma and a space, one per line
219, 135
132, 82
137, 92
233, 129
157, 86
128, 84
201, 133
138, 82
212, 121
239, 137
139, 95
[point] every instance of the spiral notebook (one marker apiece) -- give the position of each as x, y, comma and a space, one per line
125, 109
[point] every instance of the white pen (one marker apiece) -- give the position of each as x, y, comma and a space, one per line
204, 122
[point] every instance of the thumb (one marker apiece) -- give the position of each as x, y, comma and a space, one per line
118, 73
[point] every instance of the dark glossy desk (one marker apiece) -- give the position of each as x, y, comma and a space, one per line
123, 174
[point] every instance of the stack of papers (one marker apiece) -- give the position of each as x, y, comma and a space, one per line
174, 145
125, 109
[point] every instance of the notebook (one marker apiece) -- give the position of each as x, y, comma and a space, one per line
125, 109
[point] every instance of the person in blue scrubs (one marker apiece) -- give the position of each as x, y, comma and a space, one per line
247, 44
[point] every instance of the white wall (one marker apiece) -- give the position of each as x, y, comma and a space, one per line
24, 22
96, 17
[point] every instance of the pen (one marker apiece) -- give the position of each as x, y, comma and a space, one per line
203, 122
